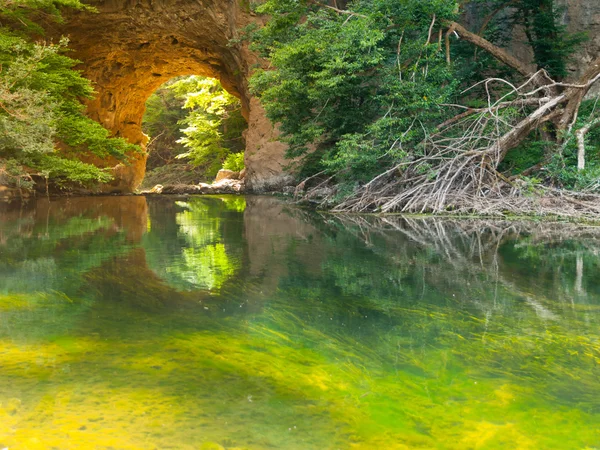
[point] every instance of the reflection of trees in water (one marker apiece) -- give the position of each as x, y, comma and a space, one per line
365, 314
540, 261
197, 243
66, 249
64, 260
47, 246
500, 299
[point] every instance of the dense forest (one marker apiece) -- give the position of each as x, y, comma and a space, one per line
406, 110
389, 106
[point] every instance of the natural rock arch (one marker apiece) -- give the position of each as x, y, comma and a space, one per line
130, 47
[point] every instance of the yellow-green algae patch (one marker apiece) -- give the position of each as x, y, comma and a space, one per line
184, 340
258, 385
14, 302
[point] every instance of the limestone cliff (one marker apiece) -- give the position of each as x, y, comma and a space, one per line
578, 15
583, 16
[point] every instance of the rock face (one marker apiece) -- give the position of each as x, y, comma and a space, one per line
130, 47
579, 16
583, 16
265, 155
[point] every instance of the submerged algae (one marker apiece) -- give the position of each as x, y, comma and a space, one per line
341, 338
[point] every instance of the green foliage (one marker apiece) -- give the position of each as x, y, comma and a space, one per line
164, 112
24, 14
214, 122
63, 170
13, 175
213, 125
40, 98
526, 155
234, 161
362, 87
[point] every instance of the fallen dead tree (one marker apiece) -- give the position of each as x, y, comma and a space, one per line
458, 167
455, 170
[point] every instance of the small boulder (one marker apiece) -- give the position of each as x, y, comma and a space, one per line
228, 186
225, 174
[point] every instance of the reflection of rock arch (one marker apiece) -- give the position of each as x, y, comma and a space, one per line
129, 48
127, 214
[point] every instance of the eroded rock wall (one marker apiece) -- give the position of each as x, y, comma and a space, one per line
580, 16
130, 47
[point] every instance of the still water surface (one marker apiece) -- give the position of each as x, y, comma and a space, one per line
243, 323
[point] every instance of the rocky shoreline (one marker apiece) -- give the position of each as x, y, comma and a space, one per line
223, 187
226, 182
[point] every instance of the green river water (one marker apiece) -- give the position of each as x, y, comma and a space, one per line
246, 323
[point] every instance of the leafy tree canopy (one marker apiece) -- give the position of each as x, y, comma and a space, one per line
365, 84
40, 101
360, 85
204, 118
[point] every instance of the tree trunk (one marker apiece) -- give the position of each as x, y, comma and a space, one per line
580, 134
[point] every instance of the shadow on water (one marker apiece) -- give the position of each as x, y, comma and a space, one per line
242, 322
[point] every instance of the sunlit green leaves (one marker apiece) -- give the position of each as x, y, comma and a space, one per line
203, 259
358, 85
212, 129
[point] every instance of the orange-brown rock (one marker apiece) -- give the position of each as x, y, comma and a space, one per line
130, 47
225, 174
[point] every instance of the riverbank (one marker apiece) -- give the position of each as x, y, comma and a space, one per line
226, 186
515, 200
548, 204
